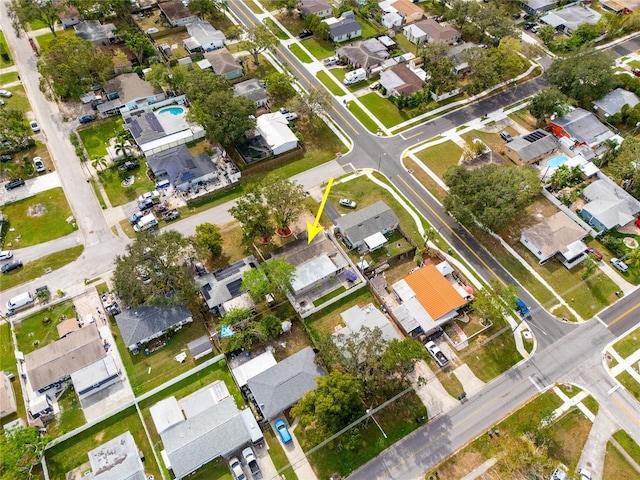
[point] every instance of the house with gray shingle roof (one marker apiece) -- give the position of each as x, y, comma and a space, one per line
533, 7
202, 427
253, 90
581, 127
609, 206
180, 167
315, 7
614, 101
225, 64
356, 318
364, 54
353, 228
344, 28
531, 147
283, 385
139, 325
225, 284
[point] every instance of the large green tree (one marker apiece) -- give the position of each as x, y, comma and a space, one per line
285, 198
274, 276
207, 9
254, 216
14, 128
209, 239
492, 194
226, 119
138, 43
20, 450
70, 65
332, 406
279, 86
155, 270
548, 102
259, 39
624, 165
584, 76
27, 11
439, 66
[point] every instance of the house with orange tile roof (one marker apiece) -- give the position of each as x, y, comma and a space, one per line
429, 299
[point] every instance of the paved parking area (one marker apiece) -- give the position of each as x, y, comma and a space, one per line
31, 187
296, 456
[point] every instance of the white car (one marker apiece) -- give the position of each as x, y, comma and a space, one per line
290, 116
584, 474
345, 202
236, 469
6, 254
619, 264
34, 126
5, 93
39, 164
149, 196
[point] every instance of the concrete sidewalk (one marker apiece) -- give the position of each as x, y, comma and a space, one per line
593, 452
295, 455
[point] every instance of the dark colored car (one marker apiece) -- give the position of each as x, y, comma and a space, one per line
506, 136
129, 165
636, 72
18, 182
200, 270
516, 16
5, 158
527, 16
7, 267
305, 34
86, 119
529, 25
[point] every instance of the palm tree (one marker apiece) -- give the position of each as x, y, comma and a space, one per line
633, 260
611, 146
122, 147
99, 163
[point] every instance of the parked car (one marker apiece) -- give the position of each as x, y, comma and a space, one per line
5, 93
289, 115
200, 270
345, 202
6, 254
305, 34
527, 16
506, 136
636, 72
330, 61
374, 85
5, 158
8, 267
39, 165
34, 126
584, 474
171, 214
619, 264
560, 473
283, 431
148, 195
236, 469
595, 253
129, 165
529, 25
133, 219
86, 119
18, 182
146, 203
516, 16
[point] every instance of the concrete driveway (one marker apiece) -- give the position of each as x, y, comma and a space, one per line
32, 186
296, 456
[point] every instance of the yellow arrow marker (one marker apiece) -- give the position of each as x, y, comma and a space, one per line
313, 230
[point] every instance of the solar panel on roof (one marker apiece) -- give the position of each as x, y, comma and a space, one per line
206, 291
534, 136
228, 271
153, 122
234, 287
187, 162
135, 129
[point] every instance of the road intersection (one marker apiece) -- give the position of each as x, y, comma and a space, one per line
565, 352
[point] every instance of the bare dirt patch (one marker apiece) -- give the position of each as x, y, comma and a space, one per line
36, 210
461, 465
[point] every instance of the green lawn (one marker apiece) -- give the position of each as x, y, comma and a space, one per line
570, 433
628, 344
98, 193
32, 329
301, 54
328, 82
71, 415
37, 24
111, 180
439, 158
384, 110
323, 323
217, 468
319, 48
148, 371
362, 117
73, 452
8, 77
4, 49
408, 47
616, 466
45, 39
275, 29
19, 99
38, 267
96, 137
38, 219
450, 383
628, 444
8, 363
488, 360
591, 403
397, 420
586, 297
629, 383
329, 296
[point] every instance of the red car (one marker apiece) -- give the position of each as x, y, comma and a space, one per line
636, 72
595, 253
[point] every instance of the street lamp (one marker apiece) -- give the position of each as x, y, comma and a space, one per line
380, 160
370, 413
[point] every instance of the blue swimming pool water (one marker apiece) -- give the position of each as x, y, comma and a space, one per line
555, 162
172, 110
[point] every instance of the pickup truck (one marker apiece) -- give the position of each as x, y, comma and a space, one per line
437, 354
522, 309
250, 458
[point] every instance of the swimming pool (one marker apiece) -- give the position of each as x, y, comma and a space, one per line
555, 162
172, 110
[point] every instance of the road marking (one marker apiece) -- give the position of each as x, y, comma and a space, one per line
597, 317
633, 417
613, 389
411, 136
446, 225
535, 383
623, 315
345, 121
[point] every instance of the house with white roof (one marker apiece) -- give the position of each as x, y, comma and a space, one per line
356, 318
203, 37
609, 206
117, 459
614, 101
274, 130
570, 17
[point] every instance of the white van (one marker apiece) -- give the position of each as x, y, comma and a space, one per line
146, 222
355, 76
19, 301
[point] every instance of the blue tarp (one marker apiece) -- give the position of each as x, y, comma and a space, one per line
349, 275
226, 331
